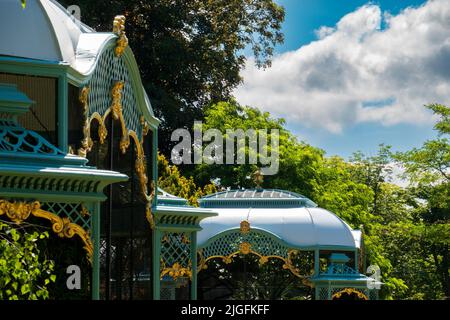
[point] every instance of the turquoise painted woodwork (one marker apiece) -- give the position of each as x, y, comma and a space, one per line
176, 227
32, 169
265, 212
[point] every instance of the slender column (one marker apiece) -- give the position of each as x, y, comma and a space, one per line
316, 261
155, 164
95, 222
156, 264
63, 123
194, 265
356, 260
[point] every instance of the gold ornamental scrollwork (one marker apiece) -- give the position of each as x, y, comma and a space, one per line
16, 211
350, 291
176, 271
116, 110
63, 227
245, 248
116, 93
86, 143
119, 30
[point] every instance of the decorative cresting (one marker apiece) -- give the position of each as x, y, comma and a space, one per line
243, 241
62, 226
175, 255
103, 96
119, 30
350, 291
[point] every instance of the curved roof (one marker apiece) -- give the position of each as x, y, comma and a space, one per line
300, 225
43, 30
256, 198
167, 199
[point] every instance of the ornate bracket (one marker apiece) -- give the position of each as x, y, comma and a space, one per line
87, 143
349, 291
119, 30
176, 271
245, 249
63, 227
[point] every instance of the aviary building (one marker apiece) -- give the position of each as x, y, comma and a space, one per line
78, 154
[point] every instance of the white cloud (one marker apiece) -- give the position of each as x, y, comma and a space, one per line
356, 72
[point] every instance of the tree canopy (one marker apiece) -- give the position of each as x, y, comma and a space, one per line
406, 230
190, 52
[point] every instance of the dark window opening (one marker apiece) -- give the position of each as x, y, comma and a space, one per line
126, 237
42, 115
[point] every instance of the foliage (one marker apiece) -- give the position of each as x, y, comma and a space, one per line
190, 52
335, 190
428, 164
171, 181
231, 115
428, 169
24, 272
443, 112
406, 229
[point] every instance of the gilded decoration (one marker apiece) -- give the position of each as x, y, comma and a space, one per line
87, 143
350, 291
258, 178
176, 271
116, 111
245, 227
84, 212
119, 30
63, 227
245, 248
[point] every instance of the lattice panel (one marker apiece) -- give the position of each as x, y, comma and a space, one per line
261, 243
323, 293
175, 248
342, 269
109, 70
168, 293
72, 211
373, 294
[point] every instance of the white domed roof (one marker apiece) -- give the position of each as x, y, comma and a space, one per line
42, 30
299, 227
289, 216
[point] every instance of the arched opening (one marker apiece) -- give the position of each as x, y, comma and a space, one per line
253, 265
126, 238
244, 278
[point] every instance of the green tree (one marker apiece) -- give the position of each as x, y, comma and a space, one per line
372, 171
171, 181
24, 273
443, 112
298, 161
428, 170
190, 52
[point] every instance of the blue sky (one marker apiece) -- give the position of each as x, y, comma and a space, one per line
356, 85
305, 16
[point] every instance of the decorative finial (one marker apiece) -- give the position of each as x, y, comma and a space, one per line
245, 227
119, 30
258, 178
